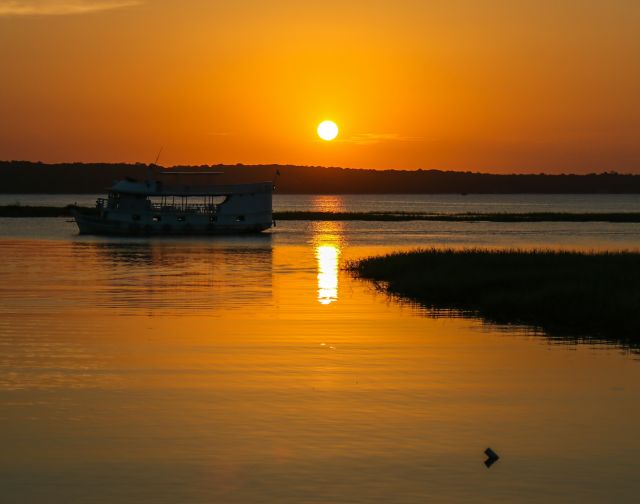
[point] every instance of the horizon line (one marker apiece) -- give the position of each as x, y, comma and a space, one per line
461, 171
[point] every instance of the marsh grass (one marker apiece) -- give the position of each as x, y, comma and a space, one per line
595, 295
462, 217
18, 210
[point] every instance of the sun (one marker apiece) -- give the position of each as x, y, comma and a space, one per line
327, 130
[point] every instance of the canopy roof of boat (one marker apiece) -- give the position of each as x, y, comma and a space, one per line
157, 188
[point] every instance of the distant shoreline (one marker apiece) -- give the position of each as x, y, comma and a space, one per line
26, 211
24, 177
568, 294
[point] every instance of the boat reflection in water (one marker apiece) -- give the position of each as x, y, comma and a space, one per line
327, 246
174, 276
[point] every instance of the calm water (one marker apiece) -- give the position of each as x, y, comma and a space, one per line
252, 369
444, 203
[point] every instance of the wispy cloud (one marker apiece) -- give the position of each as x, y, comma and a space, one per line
372, 138
60, 7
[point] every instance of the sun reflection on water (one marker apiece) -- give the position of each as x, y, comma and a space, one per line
327, 245
328, 203
327, 256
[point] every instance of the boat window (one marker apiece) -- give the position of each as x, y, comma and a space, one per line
215, 200
135, 217
157, 218
213, 218
114, 200
240, 218
159, 202
180, 218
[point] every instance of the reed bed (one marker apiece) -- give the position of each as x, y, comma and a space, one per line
35, 211
462, 217
594, 295
628, 217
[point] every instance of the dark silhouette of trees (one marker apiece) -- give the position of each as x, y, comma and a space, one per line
32, 177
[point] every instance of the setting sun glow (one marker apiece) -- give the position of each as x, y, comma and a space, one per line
327, 130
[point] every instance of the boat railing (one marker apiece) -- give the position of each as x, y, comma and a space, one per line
185, 208
197, 208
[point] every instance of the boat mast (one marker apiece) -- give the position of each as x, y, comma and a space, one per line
151, 170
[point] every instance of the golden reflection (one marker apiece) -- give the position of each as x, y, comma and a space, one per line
327, 256
329, 203
327, 242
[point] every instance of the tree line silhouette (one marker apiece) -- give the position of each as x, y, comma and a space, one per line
36, 177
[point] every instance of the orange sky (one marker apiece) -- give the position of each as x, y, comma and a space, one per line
498, 86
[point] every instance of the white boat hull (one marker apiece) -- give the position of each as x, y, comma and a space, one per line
94, 225
144, 209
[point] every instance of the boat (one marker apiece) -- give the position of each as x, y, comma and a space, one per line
151, 207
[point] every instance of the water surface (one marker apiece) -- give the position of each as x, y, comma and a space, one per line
440, 203
253, 369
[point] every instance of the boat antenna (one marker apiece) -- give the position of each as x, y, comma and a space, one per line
158, 156
275, 177
151, 171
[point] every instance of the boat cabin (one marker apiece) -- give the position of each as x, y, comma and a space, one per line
155, 208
